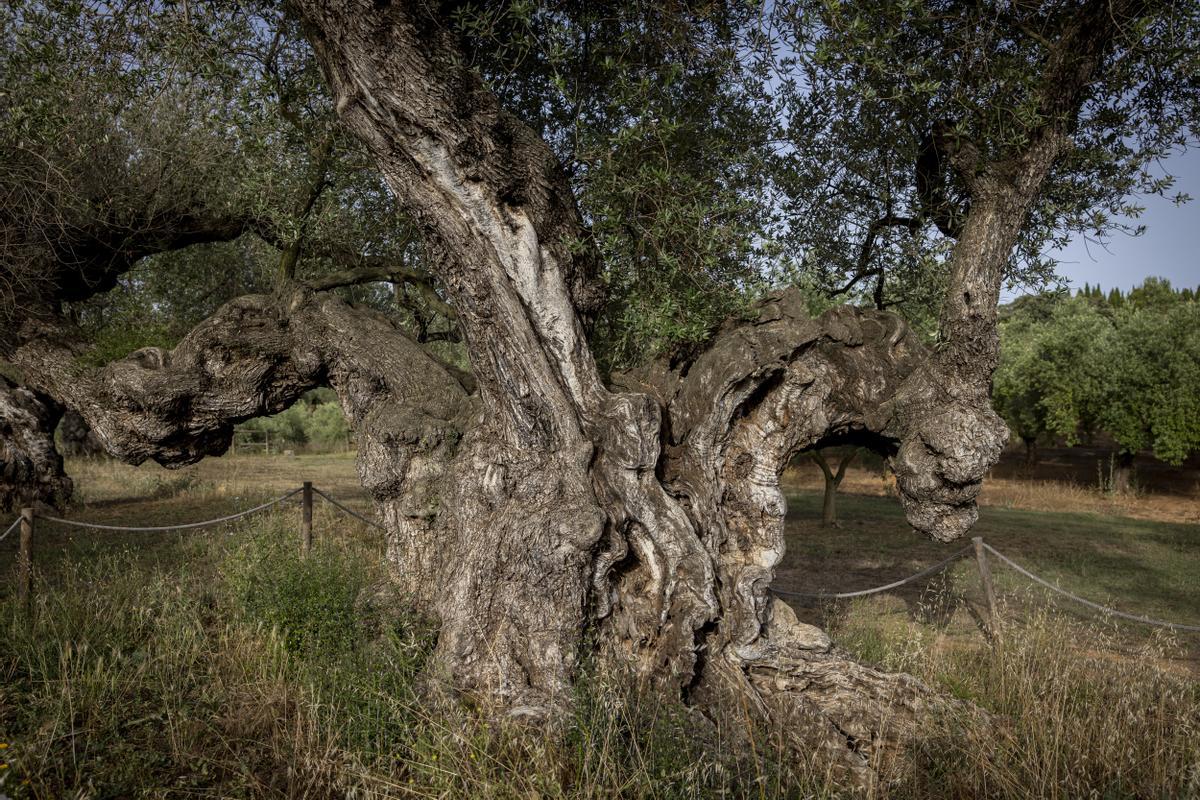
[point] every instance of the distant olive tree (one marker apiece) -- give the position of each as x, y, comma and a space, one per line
833, 480
1150, 391
1048, 381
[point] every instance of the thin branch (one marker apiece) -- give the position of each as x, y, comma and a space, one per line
368, 274
841, 471
863, 270
820, 461
940, 147
384, 272
318, 182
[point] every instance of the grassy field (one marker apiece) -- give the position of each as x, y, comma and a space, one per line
1136, 566
220, 664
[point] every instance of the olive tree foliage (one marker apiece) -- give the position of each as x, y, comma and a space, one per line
132, 131
663, 119
1150, 394
1049, 379
91, 133
315, 422
895, 110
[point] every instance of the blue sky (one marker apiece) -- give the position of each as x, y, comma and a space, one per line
1170, 247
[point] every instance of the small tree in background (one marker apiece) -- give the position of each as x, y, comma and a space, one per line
833, 479
1150, 396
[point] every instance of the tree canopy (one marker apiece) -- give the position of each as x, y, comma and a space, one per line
895, 108
715, 152
182, 154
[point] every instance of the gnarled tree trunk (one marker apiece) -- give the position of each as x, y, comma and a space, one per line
648, 513
31, 469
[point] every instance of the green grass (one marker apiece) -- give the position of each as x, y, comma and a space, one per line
228, 666
1133, 565
221, 664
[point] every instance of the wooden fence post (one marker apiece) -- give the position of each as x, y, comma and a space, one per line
306, 519
25, 560
989, 590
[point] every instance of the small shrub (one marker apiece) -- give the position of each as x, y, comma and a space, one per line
326, 425
312, 600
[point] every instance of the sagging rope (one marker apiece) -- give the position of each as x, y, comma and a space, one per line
348, 510
184, 526
877, 589
1105, 609
194, 525
1009, 562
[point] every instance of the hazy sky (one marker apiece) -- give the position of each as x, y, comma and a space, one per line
1170, 247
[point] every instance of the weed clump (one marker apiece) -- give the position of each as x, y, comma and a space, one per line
312, 600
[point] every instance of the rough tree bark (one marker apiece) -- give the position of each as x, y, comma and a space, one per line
535, 511
31, 469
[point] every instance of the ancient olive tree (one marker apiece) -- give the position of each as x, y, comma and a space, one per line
537, 510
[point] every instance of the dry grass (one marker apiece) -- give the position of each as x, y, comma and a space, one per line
1068, 720
1133, 565
228, 667
237, 669
102, 481
1031, 495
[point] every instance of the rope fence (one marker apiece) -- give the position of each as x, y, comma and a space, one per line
1104, 609
980, 546
180, 527
26, 524
877, 589
28, 515
349, 511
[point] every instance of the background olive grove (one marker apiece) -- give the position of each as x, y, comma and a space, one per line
1121, 367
